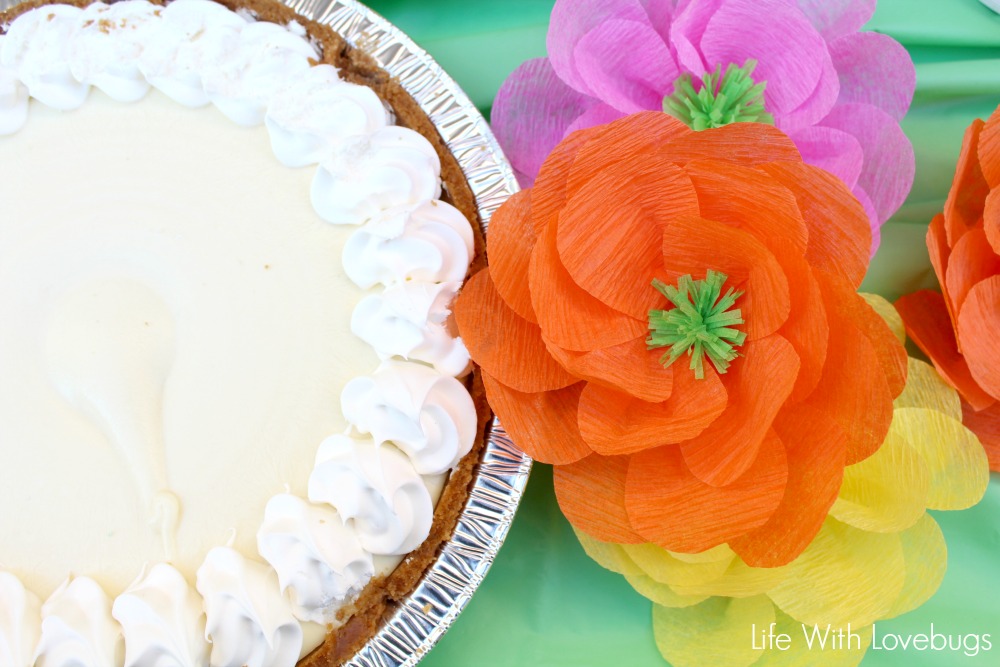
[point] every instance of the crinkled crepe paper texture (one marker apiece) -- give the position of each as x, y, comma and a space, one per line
819, 71
878, 555
957, 326
545, 601
643, 453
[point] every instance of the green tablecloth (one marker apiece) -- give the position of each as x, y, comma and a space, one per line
544, 602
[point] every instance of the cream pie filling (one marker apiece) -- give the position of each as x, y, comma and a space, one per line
193, 344
183, 338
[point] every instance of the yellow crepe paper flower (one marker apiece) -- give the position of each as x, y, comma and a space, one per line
878, 555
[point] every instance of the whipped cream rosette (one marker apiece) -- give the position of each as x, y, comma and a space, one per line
20, 622
163, 618
265, 593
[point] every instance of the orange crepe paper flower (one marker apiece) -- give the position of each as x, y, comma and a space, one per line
958, 328
878, 554
559, 321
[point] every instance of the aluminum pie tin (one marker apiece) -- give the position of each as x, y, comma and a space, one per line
419, 620
499, 479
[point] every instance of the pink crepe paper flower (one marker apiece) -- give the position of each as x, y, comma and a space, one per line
837, 92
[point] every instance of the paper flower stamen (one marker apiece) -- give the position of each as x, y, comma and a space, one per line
736, 98
701, 323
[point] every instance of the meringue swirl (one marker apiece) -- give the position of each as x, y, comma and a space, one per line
409, 320
37, 47
77, 628
264, 58
318, 113
320, 562
106, 45
249, 622
192, 36
162, 621
392, 167
431, 242
376, 491
428, 415
20, 622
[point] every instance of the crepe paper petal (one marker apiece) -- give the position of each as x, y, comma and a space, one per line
661, 13
507, 346
741, 143
614, 423
874, 69
869, 208
690, 20
822, 98
571, 318
978, 322
972, 261
833, 150
664, 567
938, 251
748, 198
628, 367
964, 206
925, 388
986, 425
816, 446
608, 555
926, 318
628, 79
991, 220
509, 245
669, 506
806, 329
662, 594
849, 652
789, 51
591, 493
532, 112
738, 581
959, 470
926, 556
887, 312
692, 246
852, 307
548, 195
571, 20
715, 553
713, 632
724, 451
543, 424
623, 143
888, 491
854, 390
599, 114
846, 575
836, 18
887, 173
838, 229
989, 150
611, 245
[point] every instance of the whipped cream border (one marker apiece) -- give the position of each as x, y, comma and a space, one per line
402, 222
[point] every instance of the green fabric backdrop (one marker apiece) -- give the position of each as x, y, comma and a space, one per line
544, 602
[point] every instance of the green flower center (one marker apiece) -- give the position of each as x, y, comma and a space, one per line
701, 323
734, 99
